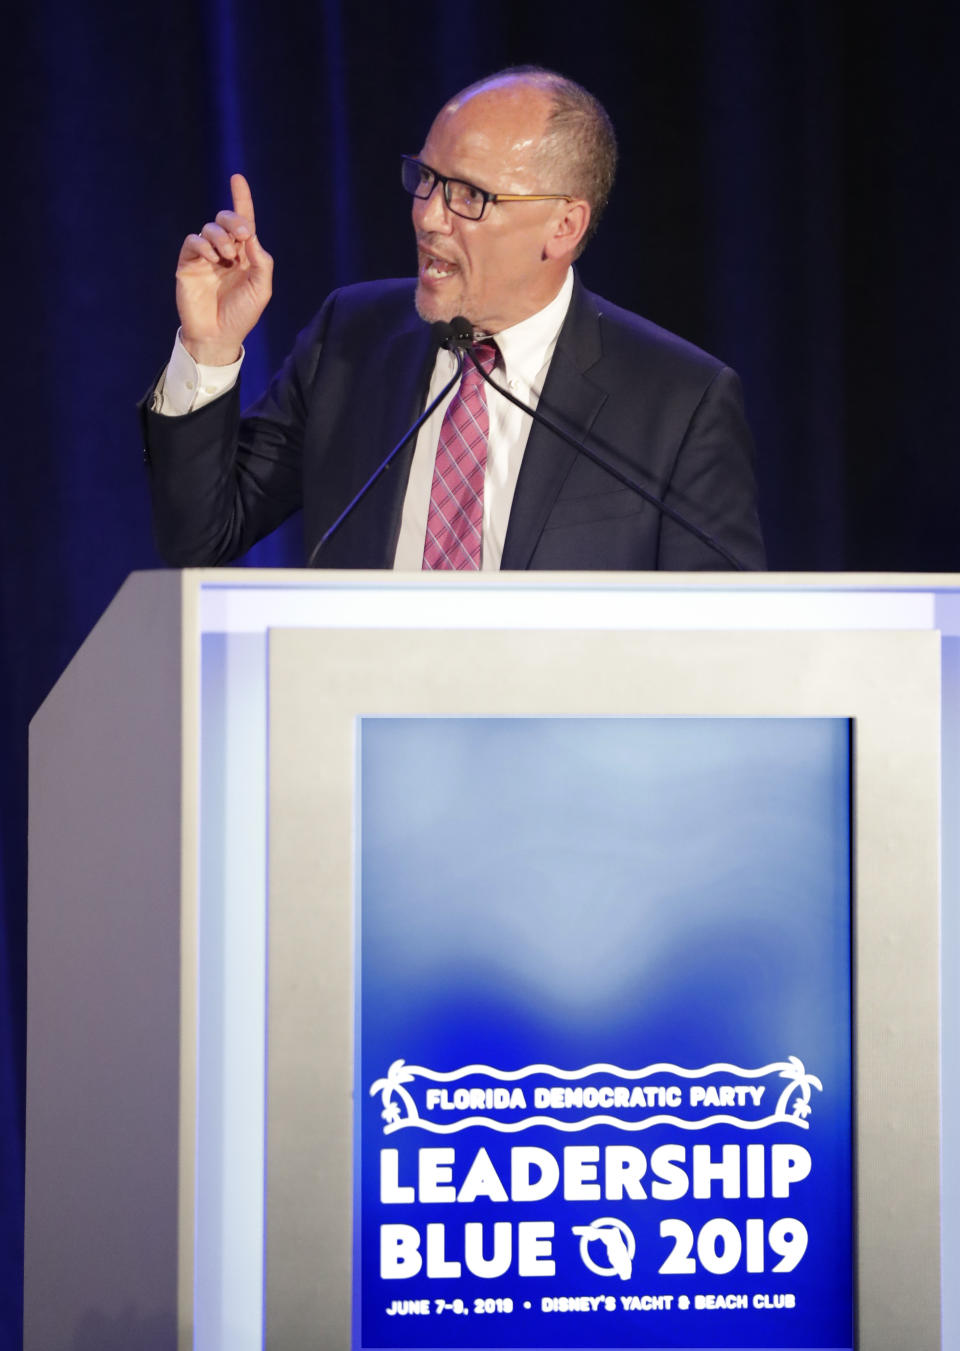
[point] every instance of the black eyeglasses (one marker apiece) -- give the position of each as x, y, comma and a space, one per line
463, 199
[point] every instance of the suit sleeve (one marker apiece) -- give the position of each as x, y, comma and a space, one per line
219, 482
713, 485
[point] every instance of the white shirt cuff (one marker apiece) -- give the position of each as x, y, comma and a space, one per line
184, 386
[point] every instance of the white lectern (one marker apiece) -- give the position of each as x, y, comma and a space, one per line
192, 946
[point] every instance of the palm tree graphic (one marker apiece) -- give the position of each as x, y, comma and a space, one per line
800, 1083
391, 1087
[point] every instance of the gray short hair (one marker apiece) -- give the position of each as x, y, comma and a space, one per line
579, 149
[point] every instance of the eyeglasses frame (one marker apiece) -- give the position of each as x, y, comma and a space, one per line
489, 198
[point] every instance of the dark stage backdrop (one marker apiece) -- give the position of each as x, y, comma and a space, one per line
788, 199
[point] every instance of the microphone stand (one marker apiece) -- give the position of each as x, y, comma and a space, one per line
385, 464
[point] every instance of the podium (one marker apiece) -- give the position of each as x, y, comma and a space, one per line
204, 799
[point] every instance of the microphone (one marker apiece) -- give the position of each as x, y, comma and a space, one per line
458, 334
456, 345
455, 336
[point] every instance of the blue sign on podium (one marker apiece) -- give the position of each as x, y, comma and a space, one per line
604, 1033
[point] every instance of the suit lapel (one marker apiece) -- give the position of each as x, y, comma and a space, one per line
408, 365
406, 371
571, 399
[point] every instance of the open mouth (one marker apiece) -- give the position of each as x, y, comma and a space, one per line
433, 268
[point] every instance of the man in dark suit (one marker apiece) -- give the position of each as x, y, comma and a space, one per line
506, 191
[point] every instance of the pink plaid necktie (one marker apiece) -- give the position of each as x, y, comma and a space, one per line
455, 522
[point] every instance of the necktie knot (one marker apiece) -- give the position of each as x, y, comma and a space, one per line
486, 354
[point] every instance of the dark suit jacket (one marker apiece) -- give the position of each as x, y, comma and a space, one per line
664, 412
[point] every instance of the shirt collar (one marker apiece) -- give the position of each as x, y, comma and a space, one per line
525, 347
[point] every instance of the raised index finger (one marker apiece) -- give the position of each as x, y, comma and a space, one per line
243, 199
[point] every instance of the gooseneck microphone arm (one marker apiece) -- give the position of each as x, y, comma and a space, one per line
462, 337
446, 337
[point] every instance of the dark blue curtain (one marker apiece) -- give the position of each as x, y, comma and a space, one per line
788, 199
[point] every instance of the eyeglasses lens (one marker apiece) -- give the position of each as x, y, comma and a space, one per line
416, 178
464, 199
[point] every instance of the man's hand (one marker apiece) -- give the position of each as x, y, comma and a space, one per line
224, 281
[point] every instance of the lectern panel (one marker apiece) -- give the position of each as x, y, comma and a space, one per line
330, 696
605, 1052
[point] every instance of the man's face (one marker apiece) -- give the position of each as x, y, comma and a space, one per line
493, 271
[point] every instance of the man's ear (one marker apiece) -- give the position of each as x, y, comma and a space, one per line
569, 228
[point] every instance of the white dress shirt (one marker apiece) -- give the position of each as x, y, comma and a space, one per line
525, 351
